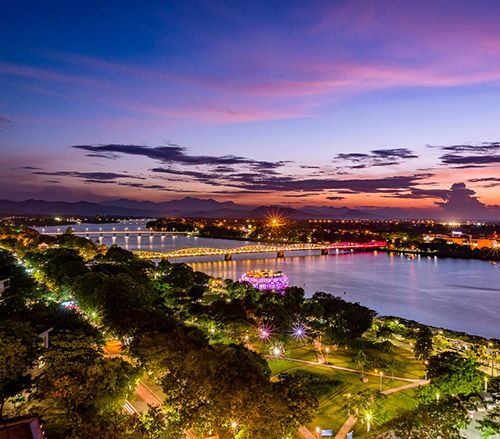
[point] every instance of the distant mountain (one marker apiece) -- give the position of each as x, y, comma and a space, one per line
188, 207
80, 208
209, 208
185, 206
341, 212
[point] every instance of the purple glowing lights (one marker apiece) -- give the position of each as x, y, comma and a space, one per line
265, 332
299, 331
265, 280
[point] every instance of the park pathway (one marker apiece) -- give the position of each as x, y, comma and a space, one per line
351, 420
348, 369
305, 433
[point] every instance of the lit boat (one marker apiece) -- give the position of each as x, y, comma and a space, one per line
266, 280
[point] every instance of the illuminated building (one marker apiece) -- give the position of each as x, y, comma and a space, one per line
266, 280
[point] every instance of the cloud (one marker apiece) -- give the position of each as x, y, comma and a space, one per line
173, 153
460, 203
202, 177
4, 123
490, 181
335, 198
376, 157
302, 195
89, 176
417, 193
273, 181
466, 156
25, 168
465, 161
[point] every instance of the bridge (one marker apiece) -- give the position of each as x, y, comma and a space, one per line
279, 249
125, 232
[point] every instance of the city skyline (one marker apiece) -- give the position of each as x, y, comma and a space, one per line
358, 104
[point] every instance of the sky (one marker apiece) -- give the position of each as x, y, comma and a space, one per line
340, 103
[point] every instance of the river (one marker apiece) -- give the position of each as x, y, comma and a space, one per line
458, 294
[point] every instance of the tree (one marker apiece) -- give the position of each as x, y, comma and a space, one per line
423, 343
490, 424
451, 374
338, 320
81, 382
21, 288
442, 419
18, 354
58, 268
180, 276
293, 299
393, 365
290, 404
112, 297
360, 401
156, 424
361, 360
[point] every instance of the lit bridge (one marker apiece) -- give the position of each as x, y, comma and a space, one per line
279, 249
125, 232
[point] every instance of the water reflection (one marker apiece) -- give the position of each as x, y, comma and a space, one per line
453, 293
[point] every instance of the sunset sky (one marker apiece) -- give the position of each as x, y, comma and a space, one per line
342, 103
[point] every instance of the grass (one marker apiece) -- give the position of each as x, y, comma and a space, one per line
330, 413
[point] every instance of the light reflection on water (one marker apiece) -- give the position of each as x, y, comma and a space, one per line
453, 293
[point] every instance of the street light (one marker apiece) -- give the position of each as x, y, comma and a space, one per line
368, 418
493, 354
426, 364
327, 351
318, 431
234, 427
381, 374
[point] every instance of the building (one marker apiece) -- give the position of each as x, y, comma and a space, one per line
460, 239
23, 427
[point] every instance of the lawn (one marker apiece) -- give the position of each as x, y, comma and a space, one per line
331, 414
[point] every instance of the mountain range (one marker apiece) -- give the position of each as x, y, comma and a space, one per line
190, 207
185, 207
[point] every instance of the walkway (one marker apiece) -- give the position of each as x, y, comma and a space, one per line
305, 433
350, 370
351, 420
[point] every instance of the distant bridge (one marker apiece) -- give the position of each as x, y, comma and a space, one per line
125, 232
279, 249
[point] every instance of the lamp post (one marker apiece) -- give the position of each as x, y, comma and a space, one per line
368, 418
485, 384
234, 427
426, 364
318, 431
327, 351
492, 353
381, 374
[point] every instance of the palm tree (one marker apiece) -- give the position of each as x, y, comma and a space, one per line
393, 365
360, 360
